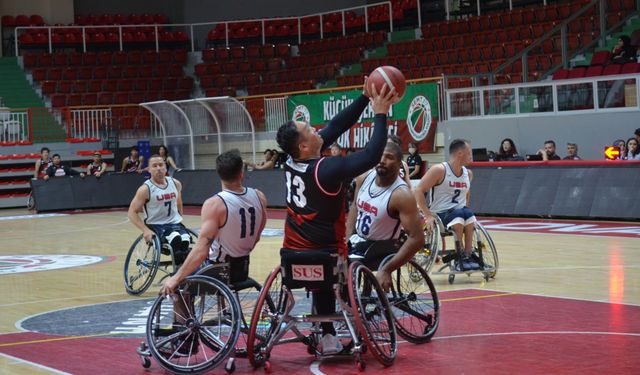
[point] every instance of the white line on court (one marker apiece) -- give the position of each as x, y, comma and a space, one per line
632, 334
515, 269
558, 297
61, 299
75, 230
24, 361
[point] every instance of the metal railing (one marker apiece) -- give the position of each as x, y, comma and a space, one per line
569, 96
14, 126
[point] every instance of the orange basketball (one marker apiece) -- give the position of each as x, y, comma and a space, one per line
390, 75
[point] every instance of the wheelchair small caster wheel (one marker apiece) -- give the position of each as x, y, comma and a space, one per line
230, 367
451, 278
146, 362
267, 367
362, 365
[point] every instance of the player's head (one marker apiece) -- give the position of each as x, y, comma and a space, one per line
134, 152
550, 147
157, 167
229, 166
44, 152
97, 157
56, 159
391, 161
395, 139
299, 139
460, 150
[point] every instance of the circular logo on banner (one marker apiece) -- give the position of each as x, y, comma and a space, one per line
10, 264
419, 118
301, 113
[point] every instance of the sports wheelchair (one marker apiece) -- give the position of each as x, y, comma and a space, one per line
143, 261
413, 297
198, 328
363, 315
436, 252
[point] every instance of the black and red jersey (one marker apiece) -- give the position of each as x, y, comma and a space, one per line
95, 168
44, 165
315, 217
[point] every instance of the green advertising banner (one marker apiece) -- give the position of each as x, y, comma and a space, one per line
413, 118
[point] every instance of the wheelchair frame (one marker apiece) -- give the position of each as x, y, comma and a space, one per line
275, 306
236, 320
144, 260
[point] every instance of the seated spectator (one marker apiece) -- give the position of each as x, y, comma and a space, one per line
168, 160
549, 151
44, 163
508, 151
97, 167
268, 162
336, 150
134, 162
623, 52
633, 151
637, 134
622, 145
278, 159
58, 170
572, 152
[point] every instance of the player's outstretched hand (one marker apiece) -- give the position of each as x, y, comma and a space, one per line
382, 101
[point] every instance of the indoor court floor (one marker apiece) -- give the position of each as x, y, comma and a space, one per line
566, 299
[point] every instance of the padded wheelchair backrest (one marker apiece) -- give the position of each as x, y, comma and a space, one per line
234, 270
310, 269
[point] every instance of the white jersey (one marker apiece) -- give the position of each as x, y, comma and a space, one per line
374, 221
239, 234
162, 207
451, 192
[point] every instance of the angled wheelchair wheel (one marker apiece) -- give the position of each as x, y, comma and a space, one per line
426, 257
266, 319
195, 329
372, 314
486, 250
141, 265
415, 305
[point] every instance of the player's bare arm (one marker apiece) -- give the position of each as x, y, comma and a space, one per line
469, 191
430, 179
263, 201
138, 202
404, 205
179, 201
213, 216
353, 210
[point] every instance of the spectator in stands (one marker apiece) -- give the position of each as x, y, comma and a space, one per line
508, 151
572, 152
414, 161
549, 151
97, 167
278, 159
637, 134
336, 150
42, 164
168, 160
58, 170
622, 145
623, 52
633, 151
268, 163
134, 162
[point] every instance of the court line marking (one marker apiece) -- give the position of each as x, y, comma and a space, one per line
515, 333
65, 299
72, 231
502, 294
560, 297
54, 339
43, 367
566, 268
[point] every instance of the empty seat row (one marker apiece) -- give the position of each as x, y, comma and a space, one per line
108, 58
103, 72
319, 73
238, 67
366, 40
109, 98
113, 85
597, 70
22, 20
119, 19
253, 51
69, 39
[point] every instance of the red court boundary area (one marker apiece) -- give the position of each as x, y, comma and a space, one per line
480, 332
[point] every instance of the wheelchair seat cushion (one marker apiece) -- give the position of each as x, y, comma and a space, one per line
371, 253
310, 269
230, 271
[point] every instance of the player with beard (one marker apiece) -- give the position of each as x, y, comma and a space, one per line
384, 205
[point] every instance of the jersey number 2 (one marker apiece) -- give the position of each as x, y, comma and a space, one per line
243, 222
456, 194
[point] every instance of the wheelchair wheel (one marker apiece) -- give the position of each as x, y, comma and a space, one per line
265, 320
486, 249
426, 257
372, 314
141, 265
415, 305
195, 329
31, 202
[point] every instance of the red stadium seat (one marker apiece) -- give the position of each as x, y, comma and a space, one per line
577, 72
601, 58
593, 71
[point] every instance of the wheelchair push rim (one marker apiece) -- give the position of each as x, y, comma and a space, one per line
372, 314
200, 333
141, 265
484, 245
415, 304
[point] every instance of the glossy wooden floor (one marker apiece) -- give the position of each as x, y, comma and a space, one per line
575, 266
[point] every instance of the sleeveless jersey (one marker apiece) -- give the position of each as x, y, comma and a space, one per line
132, 165
44, 165
95, 168
239, 234
315, 217
451, 192
162, 207
374, 221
